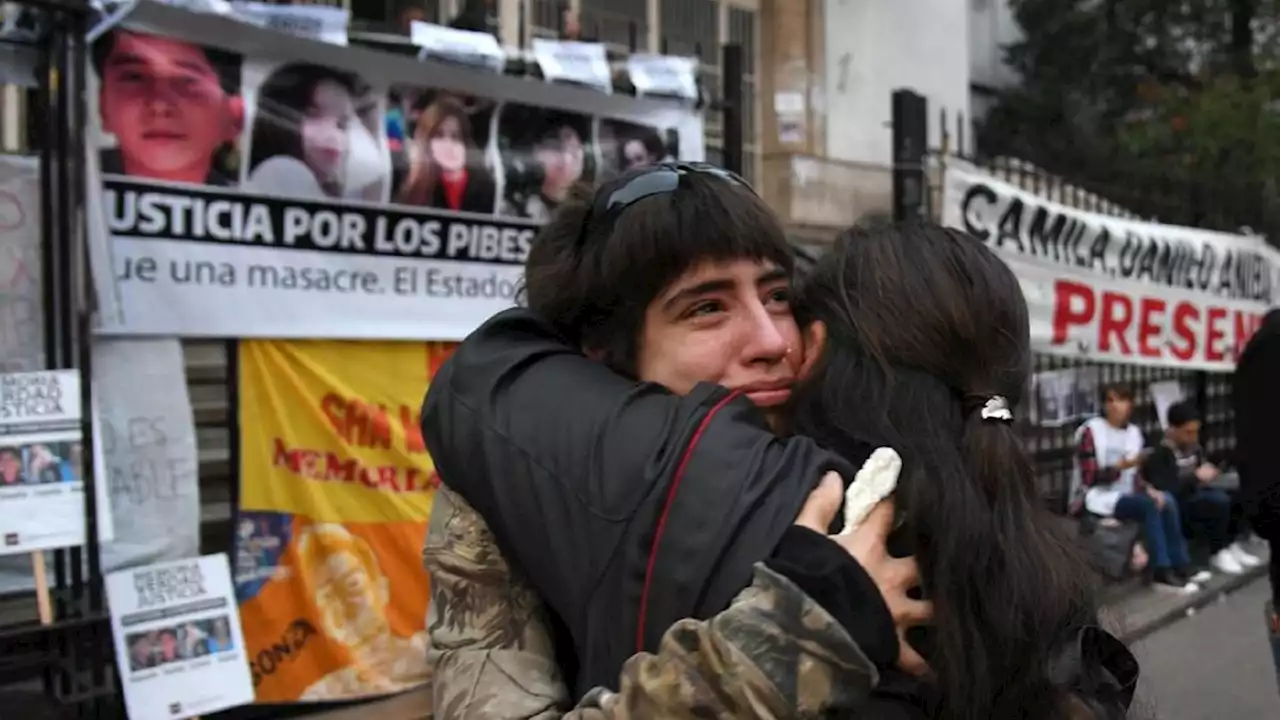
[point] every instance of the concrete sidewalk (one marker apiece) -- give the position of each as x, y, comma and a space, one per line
1138, 611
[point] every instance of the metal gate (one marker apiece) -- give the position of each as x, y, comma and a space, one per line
57, 661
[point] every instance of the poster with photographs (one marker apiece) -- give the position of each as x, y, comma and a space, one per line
42, 463
1061, 397
1164, 393
324, 192
179, 647
626, 146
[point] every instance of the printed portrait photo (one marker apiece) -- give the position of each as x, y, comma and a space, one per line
438, 143
42, 463
12, 470
544, 153
167, 109
188, 640
625, 146
316, 133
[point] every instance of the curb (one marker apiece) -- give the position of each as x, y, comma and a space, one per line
1192, 603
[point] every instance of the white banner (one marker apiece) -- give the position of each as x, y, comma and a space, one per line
149, 442
179, 646
295, 189
21, 303
1119, 290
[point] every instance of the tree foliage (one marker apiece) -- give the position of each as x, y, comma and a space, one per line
1174, 104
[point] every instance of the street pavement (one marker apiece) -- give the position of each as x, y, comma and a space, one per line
1214, 665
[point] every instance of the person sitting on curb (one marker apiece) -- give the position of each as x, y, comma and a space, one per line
1109, 451
1178, 466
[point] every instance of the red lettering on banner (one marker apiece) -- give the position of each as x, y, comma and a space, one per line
1149, 326
1150, 320
357, 422
1117, 313
1213, 351
1184, 315
1073, 305
328, 466
411, 421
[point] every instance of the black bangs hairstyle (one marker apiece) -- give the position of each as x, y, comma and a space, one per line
924, 326
595, 289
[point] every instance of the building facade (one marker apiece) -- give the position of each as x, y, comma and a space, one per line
829, 70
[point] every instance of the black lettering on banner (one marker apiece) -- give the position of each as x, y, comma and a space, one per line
30, 397
138, 210
1011, 222
166, 586
146, 473
288, 647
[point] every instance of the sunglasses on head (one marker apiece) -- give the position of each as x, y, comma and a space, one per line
659, 179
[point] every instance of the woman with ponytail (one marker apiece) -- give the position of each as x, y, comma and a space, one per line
927, 350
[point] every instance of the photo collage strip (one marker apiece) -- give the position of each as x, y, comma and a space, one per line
176, 111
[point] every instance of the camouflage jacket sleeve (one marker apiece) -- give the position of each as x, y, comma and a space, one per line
491, 649
774, 653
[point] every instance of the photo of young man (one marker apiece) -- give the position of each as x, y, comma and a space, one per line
172, 107
545, 153
11, 467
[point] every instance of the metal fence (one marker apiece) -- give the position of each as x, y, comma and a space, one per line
1052, 446
57, 660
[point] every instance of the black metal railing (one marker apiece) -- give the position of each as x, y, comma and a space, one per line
62, 664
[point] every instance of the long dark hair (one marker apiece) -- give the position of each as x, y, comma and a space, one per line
924, 324
282, 102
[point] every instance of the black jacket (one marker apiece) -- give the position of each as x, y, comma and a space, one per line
1257, 418
629, 508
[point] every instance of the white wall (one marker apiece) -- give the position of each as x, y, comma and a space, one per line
873, 47
991, 27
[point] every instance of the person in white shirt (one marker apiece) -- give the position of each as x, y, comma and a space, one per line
1107, 484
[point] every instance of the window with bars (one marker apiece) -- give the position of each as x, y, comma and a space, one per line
697, 28
690, 27
392, 15
617, 22
545, 17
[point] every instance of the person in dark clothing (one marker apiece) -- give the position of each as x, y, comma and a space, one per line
633, 505
1256, 400
717, 310
1178, 466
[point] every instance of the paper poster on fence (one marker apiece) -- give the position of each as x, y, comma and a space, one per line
42, 462
1120, 290
1061, 397
1164, 394
21, 314
333, 192
179, 648
335, 491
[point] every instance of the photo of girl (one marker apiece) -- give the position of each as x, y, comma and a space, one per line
544, 153
316, 133
438, 143
625, 146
